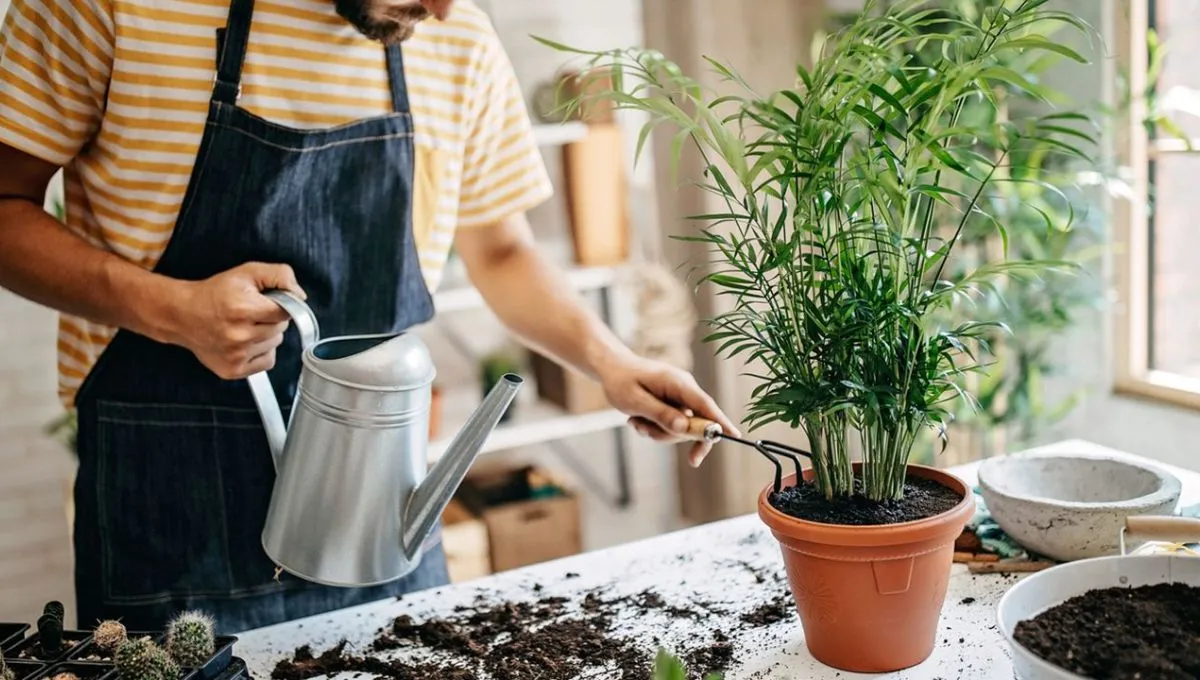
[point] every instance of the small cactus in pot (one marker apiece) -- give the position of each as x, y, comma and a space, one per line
141, 659
109, 635
64, 676
190, 639
6, 673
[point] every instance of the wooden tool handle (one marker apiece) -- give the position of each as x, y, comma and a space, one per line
1164, 528
702, 429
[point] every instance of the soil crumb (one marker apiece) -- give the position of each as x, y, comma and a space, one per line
1148, 632
769, 613
922, 498
714, 658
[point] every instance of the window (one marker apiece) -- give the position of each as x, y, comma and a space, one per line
1158, 231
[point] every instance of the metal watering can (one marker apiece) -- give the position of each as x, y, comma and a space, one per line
354, 499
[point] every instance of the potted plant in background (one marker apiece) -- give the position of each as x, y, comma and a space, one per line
835, 245
493, 368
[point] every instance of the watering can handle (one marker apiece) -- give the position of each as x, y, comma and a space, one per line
260, 383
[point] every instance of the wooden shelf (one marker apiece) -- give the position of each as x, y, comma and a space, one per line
532, 422
462, 297
557, 134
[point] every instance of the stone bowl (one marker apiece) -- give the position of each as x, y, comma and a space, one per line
1072, 506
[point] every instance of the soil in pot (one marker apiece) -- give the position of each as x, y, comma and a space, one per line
922, 498
31, 648
1147, 632
93, 653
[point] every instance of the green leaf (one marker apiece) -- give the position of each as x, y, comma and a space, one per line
1037, 42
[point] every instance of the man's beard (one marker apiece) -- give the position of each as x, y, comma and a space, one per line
377, 21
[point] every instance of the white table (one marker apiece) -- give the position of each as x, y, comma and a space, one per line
705, 563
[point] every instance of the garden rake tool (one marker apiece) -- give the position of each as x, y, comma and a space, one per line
709, 431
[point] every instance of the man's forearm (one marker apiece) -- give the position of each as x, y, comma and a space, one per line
536, 302
43, 261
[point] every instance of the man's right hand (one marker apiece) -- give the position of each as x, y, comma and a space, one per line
229, 324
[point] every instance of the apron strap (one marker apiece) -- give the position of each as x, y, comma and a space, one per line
395, 65
231, 51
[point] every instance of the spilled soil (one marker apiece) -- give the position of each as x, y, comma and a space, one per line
1148, 633
922, 498
548, 638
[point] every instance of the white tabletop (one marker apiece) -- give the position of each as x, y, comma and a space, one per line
714, 563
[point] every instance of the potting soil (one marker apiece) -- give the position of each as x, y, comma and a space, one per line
550, 638
1148, 633
922, 498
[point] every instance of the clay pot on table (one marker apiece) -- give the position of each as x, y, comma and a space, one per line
870, 597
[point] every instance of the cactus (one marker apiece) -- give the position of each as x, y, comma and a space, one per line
6, 673
141, 659
50, 633
109, 635
64, 676
190, 639
56, 609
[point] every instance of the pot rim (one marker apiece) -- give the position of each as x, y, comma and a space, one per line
950, 521
1169, 486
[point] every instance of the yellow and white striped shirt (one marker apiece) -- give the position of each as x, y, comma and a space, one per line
117, 92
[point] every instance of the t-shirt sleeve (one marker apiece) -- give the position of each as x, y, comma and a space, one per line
55, 62
503, 169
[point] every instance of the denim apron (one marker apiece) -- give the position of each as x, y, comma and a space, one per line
175, 474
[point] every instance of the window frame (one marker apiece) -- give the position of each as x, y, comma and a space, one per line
1131, 228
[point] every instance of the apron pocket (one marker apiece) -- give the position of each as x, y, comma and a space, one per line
164, 498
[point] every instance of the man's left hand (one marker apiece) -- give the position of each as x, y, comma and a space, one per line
659, 398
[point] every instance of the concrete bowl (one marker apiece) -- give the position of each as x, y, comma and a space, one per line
1072, 506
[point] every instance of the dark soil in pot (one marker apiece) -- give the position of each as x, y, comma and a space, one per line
1148, 633
923, 498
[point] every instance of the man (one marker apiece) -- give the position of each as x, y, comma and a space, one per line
215, 149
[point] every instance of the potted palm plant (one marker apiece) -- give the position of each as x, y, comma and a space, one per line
833, 242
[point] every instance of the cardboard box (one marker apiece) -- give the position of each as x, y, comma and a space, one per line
465, 540
565, 388
528, 518
595, 192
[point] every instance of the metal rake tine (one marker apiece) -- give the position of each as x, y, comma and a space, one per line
791, 453
758, 446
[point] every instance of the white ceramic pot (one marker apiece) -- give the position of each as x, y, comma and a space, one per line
1043, 590
1072, 506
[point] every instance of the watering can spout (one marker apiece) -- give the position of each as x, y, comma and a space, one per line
431, 497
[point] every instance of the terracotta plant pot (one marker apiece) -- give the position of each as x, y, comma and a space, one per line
870, 597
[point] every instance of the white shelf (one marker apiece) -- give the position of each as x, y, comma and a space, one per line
462, 297
557, 134
532, 422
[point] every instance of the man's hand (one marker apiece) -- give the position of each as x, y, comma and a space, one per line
227, 322
659, 398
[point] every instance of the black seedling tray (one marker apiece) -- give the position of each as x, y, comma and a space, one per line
26, 669
84, 671
220, 660
79, 637
12, 634
236, 670
81, 652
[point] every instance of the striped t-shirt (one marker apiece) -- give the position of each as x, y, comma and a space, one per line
117, 92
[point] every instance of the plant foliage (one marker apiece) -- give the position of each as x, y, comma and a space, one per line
831, 242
